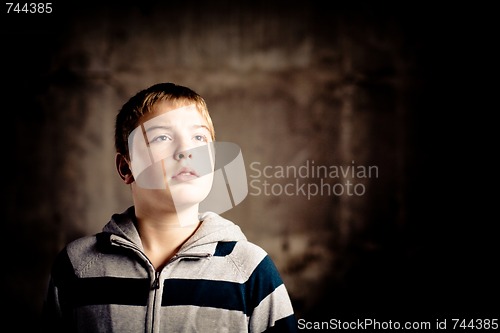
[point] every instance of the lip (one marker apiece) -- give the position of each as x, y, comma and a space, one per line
185, 174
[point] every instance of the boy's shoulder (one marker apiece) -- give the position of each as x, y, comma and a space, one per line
231, 241
80, 251
245, 256
81, 245
74, 255
246, 247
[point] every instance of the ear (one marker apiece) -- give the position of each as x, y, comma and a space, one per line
123, 168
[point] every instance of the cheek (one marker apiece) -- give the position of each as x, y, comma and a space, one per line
152, 177
142, 159
202, 159
159, 153
139, 161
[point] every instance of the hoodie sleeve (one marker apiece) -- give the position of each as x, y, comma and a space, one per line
271, 306
56, 312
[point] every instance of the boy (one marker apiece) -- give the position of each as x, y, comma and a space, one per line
161, 266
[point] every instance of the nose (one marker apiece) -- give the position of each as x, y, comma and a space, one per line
183, 150
182, 155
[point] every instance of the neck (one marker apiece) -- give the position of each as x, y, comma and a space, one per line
163, 234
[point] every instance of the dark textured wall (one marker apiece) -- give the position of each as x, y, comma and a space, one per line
339, 85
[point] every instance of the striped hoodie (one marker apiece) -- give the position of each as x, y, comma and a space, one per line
217, 282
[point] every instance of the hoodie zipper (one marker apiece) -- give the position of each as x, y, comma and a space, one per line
187, 255
155, 286
156, 282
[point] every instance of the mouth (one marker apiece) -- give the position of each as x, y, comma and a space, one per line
185, 174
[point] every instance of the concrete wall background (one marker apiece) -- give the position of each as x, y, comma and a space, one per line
290, 84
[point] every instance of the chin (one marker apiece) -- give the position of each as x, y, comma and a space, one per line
184, 195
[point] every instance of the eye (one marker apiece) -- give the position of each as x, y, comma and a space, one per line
161, 138
201, 138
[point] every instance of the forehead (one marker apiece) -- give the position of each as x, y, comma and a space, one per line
166, 114
164, 107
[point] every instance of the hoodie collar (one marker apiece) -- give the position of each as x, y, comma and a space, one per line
213, 229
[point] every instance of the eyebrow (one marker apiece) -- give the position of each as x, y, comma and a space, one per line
170, 127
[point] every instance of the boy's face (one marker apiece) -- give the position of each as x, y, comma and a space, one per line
172, 151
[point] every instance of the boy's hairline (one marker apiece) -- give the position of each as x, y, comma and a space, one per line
183, 102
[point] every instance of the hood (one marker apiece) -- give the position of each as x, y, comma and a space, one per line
213, 229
